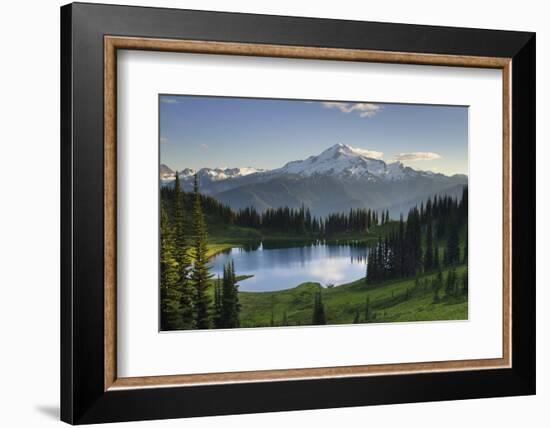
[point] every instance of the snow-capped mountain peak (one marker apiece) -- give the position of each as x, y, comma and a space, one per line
217, 174
165, 170
340, 160
206, 174
341, 149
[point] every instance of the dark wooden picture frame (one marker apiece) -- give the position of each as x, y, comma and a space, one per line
90, 389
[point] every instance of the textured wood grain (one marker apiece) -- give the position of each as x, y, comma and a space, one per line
296, 374
113, 43
110, 221
507, 212
226, 48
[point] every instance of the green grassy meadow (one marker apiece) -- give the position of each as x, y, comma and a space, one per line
391, 301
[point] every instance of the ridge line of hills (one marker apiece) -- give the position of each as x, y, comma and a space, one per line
339, 178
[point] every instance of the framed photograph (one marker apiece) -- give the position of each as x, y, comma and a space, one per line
266, 213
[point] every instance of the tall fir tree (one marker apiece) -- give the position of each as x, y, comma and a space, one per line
429, 253
437, 283
465, 282
169, 290
182, 257
319, 317
463, 206
413, 255
199, 272
450, 288
230, 306
436, 262
400, 249
217, 318
452, 253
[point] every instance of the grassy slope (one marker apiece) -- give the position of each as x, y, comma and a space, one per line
388, 300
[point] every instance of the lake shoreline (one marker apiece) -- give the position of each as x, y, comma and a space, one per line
283, 265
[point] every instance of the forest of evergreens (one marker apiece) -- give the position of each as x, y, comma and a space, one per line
401, 253
185, 298
283, 219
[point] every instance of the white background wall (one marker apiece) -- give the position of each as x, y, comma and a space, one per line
29, 215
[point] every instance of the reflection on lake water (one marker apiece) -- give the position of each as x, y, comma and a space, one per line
277, 268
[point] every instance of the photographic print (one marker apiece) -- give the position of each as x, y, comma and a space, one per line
284, 213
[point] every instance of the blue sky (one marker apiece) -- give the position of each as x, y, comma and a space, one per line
197, 132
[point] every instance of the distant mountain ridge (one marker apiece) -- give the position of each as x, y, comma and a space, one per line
339, 178
344, 161
215, 174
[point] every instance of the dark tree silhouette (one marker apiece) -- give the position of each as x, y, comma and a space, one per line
319, 317
217, 318
170, 318
230, 306
429, 253
452, 251
199, 273
182, 257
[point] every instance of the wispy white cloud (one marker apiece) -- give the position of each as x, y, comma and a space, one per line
204, 146
361, 109
369, 153
417, 156
169, 101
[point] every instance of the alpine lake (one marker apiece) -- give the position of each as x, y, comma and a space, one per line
274, 267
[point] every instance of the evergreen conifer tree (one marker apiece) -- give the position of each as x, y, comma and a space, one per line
199, 273
450, 288
439, 278
230, 306
437, 282
182, 257
217, 319
400, 249
436, 263
169, 291
452, 252
372, 265
465, 282
319, 317
429, 254
463, 206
